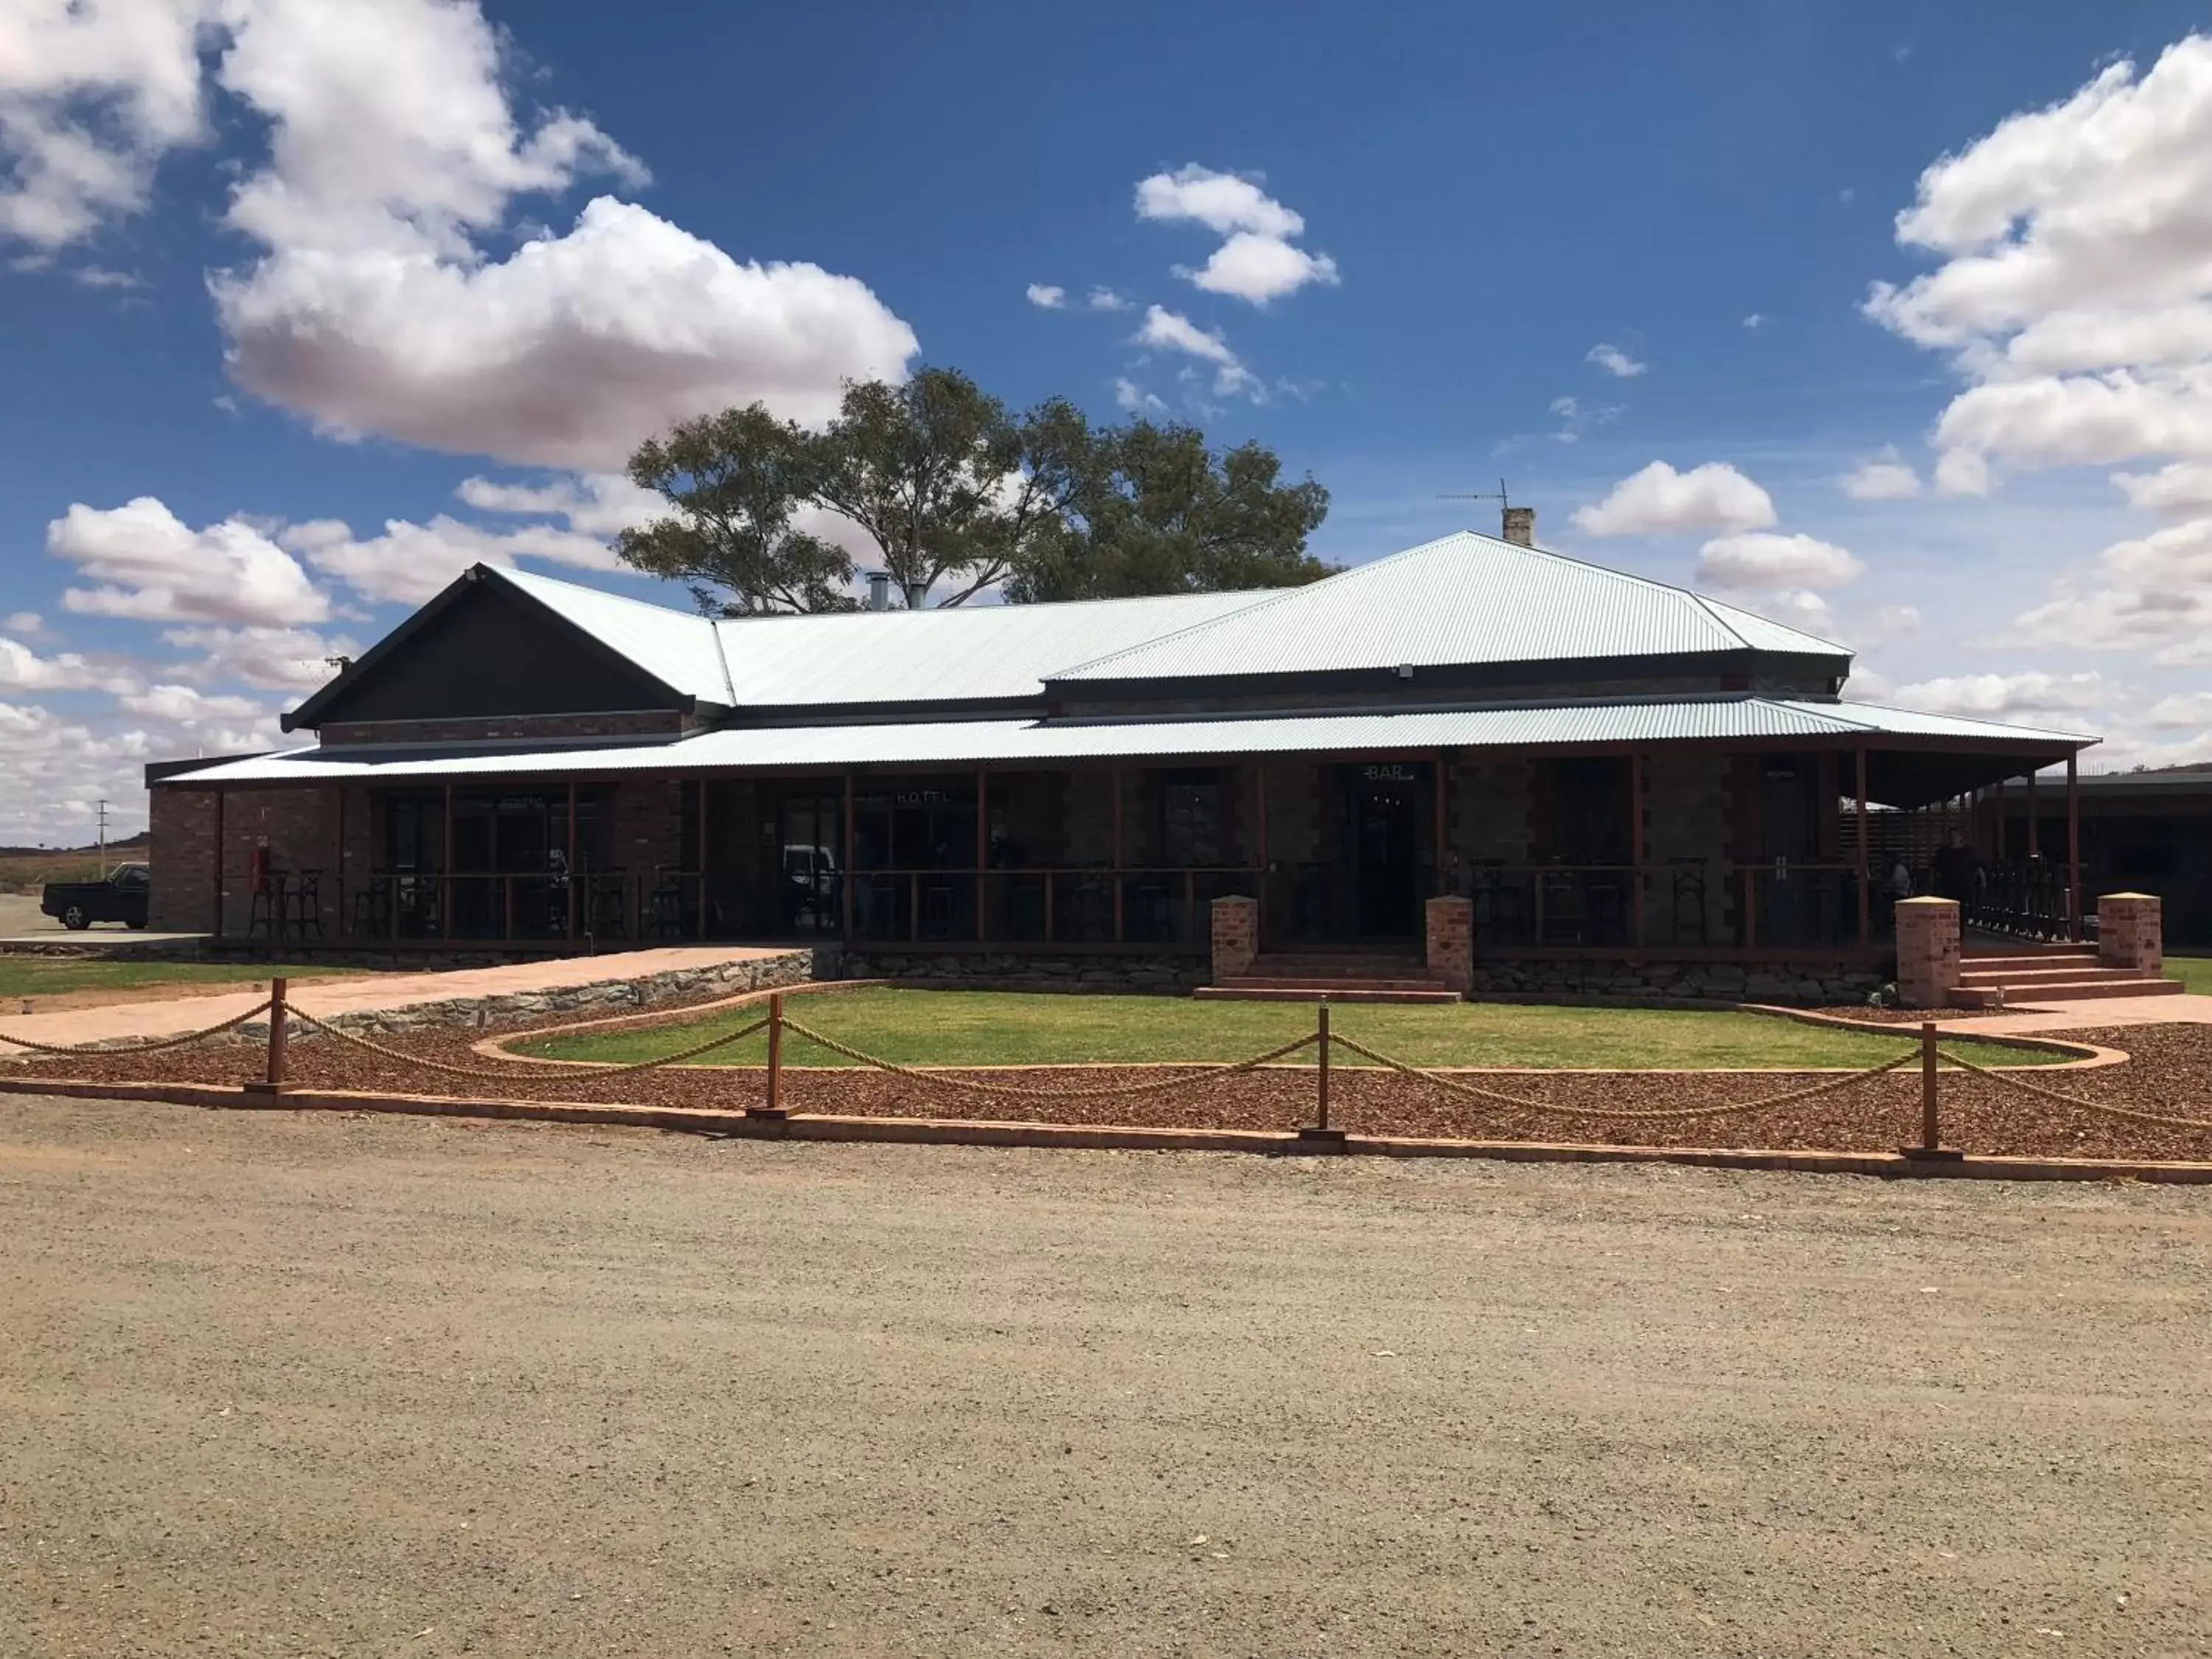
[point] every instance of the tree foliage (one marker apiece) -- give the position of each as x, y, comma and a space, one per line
946, 486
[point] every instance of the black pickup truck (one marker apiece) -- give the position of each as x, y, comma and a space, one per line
121, 897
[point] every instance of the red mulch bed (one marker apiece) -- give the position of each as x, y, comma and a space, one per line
2170, 1073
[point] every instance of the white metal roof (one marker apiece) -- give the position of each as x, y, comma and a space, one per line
1464, 598
922, 746
982, 652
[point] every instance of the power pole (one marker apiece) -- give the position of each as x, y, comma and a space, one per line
103, 839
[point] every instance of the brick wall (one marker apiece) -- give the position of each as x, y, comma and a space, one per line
298, 825
643, 723
1493, 809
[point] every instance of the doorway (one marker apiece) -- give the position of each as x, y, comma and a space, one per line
1382, 823
808, 881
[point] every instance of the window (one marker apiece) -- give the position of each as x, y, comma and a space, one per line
1190, 823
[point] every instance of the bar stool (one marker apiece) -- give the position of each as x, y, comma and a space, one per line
303, 903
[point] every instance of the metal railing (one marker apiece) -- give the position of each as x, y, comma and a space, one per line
1156, 905
1777, 904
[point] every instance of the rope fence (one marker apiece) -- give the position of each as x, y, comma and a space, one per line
1321, 1039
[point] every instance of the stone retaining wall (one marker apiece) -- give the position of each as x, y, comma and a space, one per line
993, 969
1806, 984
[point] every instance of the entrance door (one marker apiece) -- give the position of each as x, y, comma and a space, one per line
1386, 850
808, 878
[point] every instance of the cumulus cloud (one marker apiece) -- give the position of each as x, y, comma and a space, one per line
1104, 299
2193, 709
1133, 399
1613, 360
1714, 496
22, 669
410, 561
148, 564
592, 503
2181, 487
2075, 290
1257, 260
185, 705
395, 160
91, 97
1046, 297
1170, 330
267, 658
1758, 559
2009, 696
24, 625
1884, 478
2150, 594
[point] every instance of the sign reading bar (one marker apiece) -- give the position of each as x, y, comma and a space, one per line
1391, 773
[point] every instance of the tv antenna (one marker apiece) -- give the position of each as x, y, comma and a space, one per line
1497, 494
101, 810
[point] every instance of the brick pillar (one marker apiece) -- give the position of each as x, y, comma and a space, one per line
1451, 941
1927, 950
2131, 932
1235, 936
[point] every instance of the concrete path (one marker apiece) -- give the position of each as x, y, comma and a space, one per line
367, 992
2029, 1019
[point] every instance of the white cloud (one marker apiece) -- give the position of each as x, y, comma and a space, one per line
593, 503
22, 669
1104, 299
1046, 296
1884, 478
1170, 330
24, 625
2178, 487
2194, 709
1222, 202
1757, 559
1262, 267
1657, 500
2148, 594
2075, 287
1613, 360
1756, 320
1795, 608
394, 160
2009, 696
1891, 621
151, 566
91, 97
1133, 399
267, 658
1256, 260
186, 706
410, 563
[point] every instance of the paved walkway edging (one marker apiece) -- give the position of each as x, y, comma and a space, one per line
958, 1132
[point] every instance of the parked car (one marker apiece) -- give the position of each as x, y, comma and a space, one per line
121, 897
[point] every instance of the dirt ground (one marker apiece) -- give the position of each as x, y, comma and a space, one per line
335, 1385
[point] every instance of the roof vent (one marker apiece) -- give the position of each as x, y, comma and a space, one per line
1521, 526
879, 590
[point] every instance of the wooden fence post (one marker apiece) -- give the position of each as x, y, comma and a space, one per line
773, 1107
273, 1079
1319, 1134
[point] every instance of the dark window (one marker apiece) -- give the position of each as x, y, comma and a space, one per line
1190, 823
1589, 815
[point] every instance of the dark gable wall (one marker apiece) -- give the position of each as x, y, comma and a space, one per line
492, 652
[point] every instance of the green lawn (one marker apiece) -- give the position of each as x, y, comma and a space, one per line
38, 977
982, 1028
2194, 972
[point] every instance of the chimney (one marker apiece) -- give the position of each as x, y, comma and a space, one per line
879, 590
917, 595
1521, 526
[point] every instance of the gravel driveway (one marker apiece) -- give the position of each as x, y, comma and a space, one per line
279, 1385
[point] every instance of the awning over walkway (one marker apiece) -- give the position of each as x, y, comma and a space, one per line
1913, 758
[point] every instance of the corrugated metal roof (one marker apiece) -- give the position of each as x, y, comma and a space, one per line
965, 743
676, 647
980, 652
1464, 598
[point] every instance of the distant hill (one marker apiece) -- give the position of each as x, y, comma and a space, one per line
90, 849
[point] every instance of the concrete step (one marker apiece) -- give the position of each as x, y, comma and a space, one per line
2075, 991
1342, 993
2072, 973
2030, 960
1346, 966
1309, 982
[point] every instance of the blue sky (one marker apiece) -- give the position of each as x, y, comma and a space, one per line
303, 307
